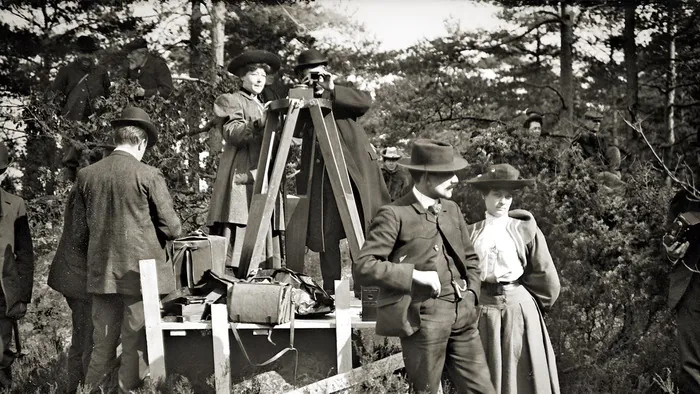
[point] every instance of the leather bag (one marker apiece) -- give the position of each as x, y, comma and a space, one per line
194, 254
260, 301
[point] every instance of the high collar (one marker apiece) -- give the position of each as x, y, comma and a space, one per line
249, 94
424, 200
119, 152
494, 220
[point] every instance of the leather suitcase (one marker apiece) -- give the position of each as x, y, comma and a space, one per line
194, 254
261, 301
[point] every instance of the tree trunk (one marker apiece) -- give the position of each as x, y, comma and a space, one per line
630, 50
566, 73
196, 28
670, 93
218, 15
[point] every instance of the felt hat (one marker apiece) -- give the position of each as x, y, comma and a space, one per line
433, 156
309, 58
136, 44
4, 156
593, 115
254, 56
500, 176
391, 153
87, 44
134, 116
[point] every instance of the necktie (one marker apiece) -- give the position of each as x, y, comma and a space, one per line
435, 208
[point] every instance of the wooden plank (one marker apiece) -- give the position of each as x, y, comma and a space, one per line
151, 311
262, 205
332, 151
356, 376
343, 326
222, 348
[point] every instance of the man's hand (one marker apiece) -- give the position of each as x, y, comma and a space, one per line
326, 80
428, 279
241, 179
676, 250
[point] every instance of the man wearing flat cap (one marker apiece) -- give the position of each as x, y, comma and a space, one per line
325, 228
418, 252
397, 178
597, 147
17, 268
129, 216
149, 70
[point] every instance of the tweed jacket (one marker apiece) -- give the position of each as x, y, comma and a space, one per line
154, 77
680, 276
129, 215
17, 262
401, 239
540, 277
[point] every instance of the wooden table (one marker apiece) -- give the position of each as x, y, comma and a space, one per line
345, 318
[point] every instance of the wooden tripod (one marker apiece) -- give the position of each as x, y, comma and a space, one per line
271, 165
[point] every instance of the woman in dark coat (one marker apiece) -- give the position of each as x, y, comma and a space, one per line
325, 226
242, 118
518, 281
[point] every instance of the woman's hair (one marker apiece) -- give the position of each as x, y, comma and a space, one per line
130, 135
242, 71
486, 190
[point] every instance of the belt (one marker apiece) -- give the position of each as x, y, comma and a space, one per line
499, 288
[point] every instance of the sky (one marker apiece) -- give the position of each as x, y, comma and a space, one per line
398, 24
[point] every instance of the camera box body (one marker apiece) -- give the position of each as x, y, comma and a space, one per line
369, 297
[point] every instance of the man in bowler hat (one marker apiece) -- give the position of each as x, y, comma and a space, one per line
419, 254
149, 70
325, 227
129, 216
17, 268
684, 285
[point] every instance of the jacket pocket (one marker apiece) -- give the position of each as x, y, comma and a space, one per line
396, 316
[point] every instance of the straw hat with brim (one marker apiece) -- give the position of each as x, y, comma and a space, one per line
533, 117
500, 176
391, 153
255, 56
4, 156
134, 116
433, 156
310, 58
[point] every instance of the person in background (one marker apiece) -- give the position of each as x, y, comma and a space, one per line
17, 269
518, 281
241, 118
149, 70
684, 284
130, 216
533, 123
597, 147
417, 252
396, 178
325, 228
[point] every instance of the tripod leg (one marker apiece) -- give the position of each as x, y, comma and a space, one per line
263, 200
332, 151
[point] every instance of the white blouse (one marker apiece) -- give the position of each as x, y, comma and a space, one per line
498, 256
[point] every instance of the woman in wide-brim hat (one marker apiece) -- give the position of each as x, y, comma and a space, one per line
241, 119
519, 280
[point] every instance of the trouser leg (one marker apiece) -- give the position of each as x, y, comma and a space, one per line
134, 365
107, 313
81, 341
7, 356
330, 266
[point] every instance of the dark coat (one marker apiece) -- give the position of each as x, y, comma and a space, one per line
129, 216
398, 182
325, 226
18, 255
68, 272
154, 77
95, 85
680, 276
599, 148
401, 239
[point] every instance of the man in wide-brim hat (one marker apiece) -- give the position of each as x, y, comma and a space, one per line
127, 215
325, 225
418, 253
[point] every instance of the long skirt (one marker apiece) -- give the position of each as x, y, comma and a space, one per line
518, 350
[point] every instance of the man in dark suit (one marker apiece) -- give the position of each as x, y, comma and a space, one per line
419, 254
149, 70
684, 286
129, 215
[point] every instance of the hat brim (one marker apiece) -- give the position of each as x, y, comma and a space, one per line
500, 183
458, 163
391, 157
149, 127
311, 64
254, 57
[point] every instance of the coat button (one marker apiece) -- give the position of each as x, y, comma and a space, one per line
436, 248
